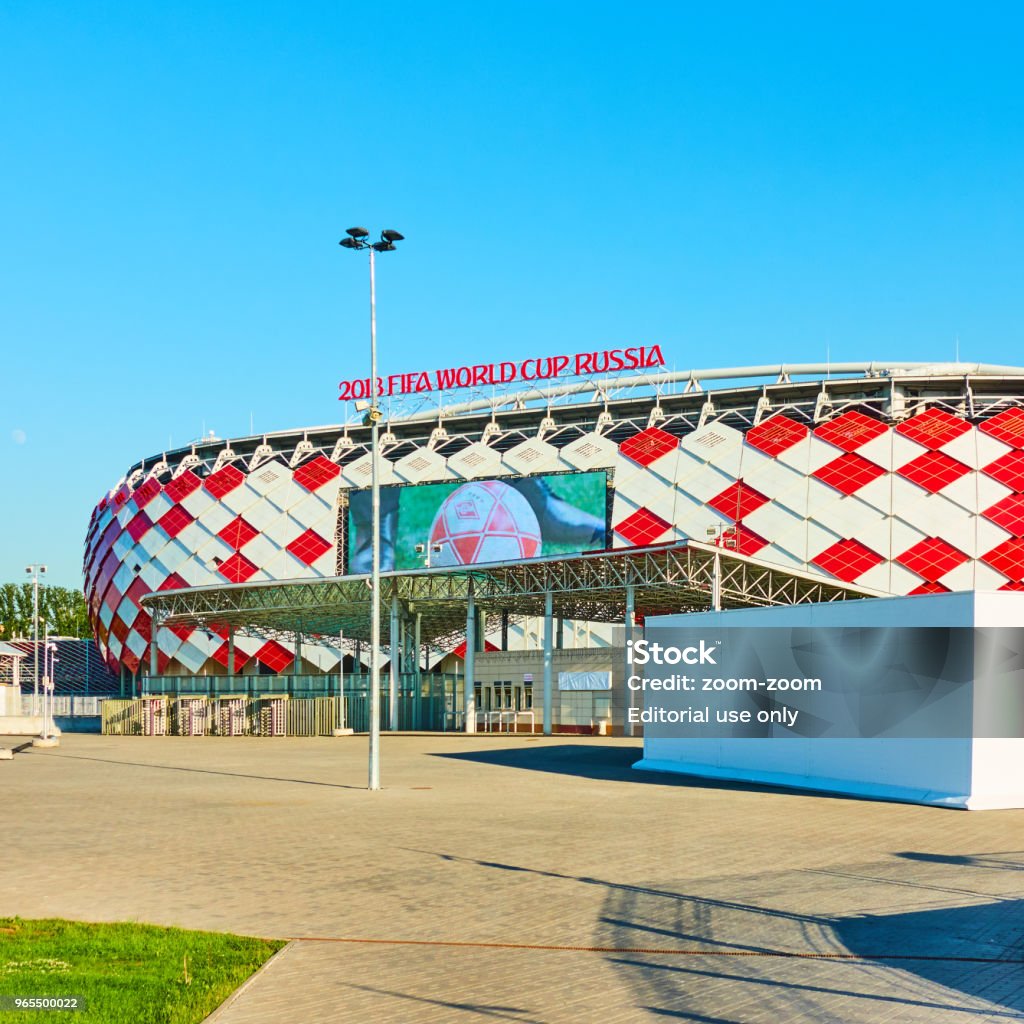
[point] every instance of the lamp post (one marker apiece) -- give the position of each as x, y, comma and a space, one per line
722, 537
358, 239
35, 571
49, 665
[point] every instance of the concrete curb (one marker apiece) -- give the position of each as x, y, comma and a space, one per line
7, 753
222, 1009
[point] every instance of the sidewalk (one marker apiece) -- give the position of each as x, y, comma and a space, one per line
677, 899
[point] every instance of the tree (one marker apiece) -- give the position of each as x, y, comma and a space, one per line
63, 610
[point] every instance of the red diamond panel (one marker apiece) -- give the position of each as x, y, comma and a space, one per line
1008, 559
1008, 513
182, 486
143, 625
776, 435
1008, 469
737, 501
119, 628
238, 532
138, 526
174, 520
643, 527
146, 493
224, 481
312, 475
850, 431
849, 473
933, 471
221, 657
237, 569
137, 591
930, 588
275, 656
648, 446
1007, 426
934, 428
932, 558
181, 631
848, 559
173, 582
130, 660
309, 546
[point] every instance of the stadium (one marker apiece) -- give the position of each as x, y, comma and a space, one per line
723, 487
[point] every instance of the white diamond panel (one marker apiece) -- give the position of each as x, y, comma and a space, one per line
591, 451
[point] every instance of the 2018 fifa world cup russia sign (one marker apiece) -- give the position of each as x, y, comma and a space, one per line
544, 368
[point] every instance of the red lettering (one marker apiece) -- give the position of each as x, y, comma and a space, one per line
654, 356
446, 379
482, 374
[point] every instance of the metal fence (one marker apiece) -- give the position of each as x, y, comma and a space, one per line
278, 706
65, 705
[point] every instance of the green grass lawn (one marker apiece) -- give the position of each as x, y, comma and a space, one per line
124, 973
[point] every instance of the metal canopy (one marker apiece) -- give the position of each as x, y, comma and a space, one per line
588, 587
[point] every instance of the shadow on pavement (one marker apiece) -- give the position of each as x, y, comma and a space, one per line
724, 956
613, 764
992, 861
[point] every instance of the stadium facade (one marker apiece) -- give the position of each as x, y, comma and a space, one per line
900, 478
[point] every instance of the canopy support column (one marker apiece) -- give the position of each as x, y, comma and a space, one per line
549, 630
469, 696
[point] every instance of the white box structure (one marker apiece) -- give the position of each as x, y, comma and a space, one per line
973, 772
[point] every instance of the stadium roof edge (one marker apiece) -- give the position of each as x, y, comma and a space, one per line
782, 372
623, 396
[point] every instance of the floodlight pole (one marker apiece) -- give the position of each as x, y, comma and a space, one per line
374, 414
357, 239
35, 570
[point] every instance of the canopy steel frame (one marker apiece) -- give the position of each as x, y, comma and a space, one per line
588, 587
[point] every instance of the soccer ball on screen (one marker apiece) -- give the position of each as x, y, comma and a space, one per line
485, 521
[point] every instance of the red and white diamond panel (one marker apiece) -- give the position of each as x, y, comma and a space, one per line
233, 526
929, 504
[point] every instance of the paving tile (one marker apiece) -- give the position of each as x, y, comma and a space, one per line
682, 899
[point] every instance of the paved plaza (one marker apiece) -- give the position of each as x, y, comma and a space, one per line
523, 880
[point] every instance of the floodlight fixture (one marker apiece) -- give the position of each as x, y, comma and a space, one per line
357, 232
391, 236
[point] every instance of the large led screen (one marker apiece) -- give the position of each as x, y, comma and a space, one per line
479, 521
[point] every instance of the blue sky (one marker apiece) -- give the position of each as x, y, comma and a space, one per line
740, 183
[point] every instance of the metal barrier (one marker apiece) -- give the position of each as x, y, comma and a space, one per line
122, 717
281, 705
67, 705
